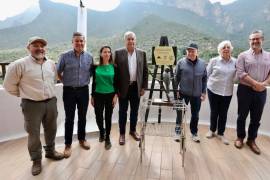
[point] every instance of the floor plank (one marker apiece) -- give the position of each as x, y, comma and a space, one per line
208, 160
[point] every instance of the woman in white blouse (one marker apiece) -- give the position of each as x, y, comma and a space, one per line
221, 74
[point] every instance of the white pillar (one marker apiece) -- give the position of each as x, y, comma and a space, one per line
82, 22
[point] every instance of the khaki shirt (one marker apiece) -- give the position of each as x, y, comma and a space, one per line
27, 79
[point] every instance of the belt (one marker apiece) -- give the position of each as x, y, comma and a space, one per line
75, 88
45, 100
132, 83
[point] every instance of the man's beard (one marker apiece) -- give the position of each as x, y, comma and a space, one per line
39, 56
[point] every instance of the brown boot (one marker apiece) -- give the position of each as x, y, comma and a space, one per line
84, 144
36, 167
67, 151
54, 155
253, 146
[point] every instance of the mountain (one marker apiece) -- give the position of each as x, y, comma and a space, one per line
148, 32
24, 18
57, 21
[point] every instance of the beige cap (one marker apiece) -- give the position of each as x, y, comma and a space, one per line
36, 39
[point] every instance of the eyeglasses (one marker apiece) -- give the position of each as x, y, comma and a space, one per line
255, 39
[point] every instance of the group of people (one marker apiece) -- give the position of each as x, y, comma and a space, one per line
251, 70
33, 79
124, 77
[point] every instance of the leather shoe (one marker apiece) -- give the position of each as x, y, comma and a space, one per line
122, 139
36, 167
67, 151
84, 144
135, 135
253, 147
238, 143
108, 144
54, 155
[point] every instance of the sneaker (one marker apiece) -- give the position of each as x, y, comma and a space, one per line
210, 134
195, 138
177, 137
223, 139
36, 167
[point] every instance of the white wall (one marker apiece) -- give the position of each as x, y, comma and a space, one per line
12, 123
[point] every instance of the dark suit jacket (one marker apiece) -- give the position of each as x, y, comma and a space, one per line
121, 62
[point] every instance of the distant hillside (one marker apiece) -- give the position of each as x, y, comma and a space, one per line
56, 22
148, 33
24, 18
184, 21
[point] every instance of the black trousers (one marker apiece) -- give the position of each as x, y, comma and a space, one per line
102, 101
219, 106
249, 101
134, 100
73, 97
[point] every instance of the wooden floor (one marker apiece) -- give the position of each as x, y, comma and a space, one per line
208, 160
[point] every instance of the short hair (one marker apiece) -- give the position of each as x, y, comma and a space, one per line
257, 32
77, 34
222, 44
129, 33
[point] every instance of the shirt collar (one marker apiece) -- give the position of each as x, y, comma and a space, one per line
35, 60
223, 60
73, 51
132, 52
253, 53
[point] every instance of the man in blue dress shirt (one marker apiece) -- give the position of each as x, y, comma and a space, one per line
74, 70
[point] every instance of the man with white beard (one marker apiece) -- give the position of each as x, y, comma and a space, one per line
33, 79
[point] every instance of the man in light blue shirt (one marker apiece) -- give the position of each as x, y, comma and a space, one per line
74, 70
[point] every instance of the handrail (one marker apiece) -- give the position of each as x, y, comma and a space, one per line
3, 68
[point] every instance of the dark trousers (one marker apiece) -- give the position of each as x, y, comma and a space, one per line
71, 98
35, 114
102, 101
134, 99
253, 102
195, 106
219, 106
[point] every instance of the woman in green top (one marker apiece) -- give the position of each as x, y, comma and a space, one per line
104, 93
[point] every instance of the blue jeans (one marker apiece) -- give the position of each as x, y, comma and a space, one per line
72, 98
195, 105
134, 99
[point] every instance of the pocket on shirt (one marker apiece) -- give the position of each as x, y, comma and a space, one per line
86, 66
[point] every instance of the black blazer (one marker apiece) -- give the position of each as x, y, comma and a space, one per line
121, 62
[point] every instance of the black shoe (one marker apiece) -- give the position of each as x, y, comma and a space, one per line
101, 138
108, 144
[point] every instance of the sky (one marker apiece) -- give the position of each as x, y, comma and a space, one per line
9, 8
